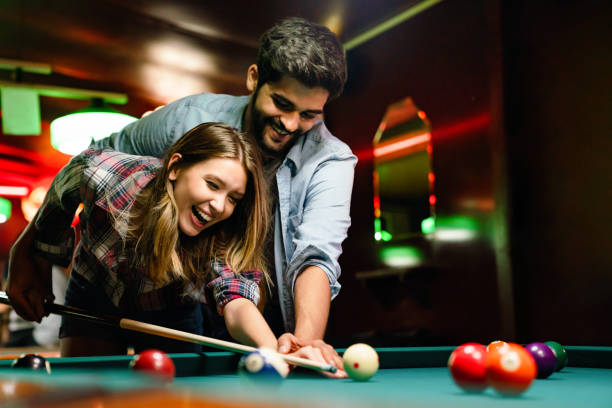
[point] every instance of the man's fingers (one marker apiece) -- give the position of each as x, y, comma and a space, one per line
288, 343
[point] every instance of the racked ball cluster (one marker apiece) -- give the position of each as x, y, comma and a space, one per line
508, 368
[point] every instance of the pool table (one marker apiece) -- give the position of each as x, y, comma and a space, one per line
408, 377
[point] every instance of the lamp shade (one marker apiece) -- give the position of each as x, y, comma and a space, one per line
71, 134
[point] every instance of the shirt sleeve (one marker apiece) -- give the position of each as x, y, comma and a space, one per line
324, 223
54, 238
153, 134
228, 285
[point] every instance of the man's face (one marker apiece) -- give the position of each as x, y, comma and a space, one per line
284, 110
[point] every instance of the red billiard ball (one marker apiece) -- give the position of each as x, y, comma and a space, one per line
467, 367
154, 362
510, 370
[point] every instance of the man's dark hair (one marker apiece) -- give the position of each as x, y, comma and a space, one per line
305, 51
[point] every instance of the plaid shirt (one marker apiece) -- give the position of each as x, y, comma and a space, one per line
107, 182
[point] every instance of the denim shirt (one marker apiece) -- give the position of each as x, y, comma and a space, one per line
315, 181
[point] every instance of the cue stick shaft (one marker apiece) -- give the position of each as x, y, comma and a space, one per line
212, 342
161, 331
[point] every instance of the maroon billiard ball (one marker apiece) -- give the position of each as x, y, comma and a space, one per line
467, 367
544, 356
32, 362
154, 362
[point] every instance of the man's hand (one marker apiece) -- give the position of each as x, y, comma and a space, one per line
29, 282
316, 350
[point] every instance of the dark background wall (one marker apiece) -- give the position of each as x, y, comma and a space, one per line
518, 94
559, 124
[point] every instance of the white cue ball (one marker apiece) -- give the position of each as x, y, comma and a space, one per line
360, 362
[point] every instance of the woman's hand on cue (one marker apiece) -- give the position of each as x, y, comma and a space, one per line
316, 350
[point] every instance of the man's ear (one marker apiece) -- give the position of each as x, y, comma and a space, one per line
252, 78
175, 158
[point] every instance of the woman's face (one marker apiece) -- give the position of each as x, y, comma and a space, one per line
207, 192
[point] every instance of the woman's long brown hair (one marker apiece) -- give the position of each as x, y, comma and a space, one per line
165, 253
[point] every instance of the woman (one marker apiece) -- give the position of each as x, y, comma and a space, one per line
156, 239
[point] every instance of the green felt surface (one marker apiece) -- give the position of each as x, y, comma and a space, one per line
415, 387
423, 381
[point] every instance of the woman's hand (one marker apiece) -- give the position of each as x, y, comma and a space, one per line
316, 350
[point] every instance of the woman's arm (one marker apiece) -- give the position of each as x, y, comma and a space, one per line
246, 324
29, 281
46, 240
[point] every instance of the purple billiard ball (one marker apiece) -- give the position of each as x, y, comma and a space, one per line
544, 357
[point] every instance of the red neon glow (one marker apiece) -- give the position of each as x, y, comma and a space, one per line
14, 191
402, 144
431, 177
432, 200
376, 202
467, 125
429, 148
421, 114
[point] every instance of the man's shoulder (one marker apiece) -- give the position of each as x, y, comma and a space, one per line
215, 103
325, 141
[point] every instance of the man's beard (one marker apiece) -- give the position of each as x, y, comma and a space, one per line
258, 126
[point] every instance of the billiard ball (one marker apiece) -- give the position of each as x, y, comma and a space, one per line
496, 345
545, 358
154, 362
263, 365
33, 362
360, 362
510, 370
466, 365
560, 354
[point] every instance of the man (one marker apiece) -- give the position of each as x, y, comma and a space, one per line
300, 67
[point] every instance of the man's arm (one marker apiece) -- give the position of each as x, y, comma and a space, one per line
312, 296
155, 132
314, 268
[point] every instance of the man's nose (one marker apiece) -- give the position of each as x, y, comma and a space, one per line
291, 121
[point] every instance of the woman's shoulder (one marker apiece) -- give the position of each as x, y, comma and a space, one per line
117, 162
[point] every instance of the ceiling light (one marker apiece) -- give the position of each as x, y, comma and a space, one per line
71, 134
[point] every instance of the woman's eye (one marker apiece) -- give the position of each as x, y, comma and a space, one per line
212, 185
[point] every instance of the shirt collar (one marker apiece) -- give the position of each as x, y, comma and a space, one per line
294, 156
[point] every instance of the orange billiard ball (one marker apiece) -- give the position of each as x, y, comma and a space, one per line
510, 370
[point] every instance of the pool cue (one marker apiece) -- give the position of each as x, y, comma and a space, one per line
161, 331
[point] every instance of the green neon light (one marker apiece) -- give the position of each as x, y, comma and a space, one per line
428, 225
71, 134
401, 256
386, 236
392, 22
5, 210
457, 222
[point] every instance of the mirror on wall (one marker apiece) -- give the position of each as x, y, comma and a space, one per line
403, 184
